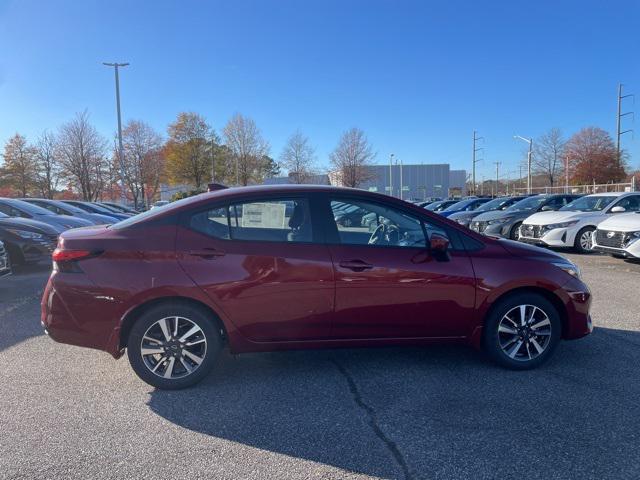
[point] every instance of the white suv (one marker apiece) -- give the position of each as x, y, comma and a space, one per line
573, 225
619, 236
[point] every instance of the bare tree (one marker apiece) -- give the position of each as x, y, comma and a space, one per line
19, 164
248, 149
47, 166
548, 156
298, 158
81, 152
352, 158
188, 149
143, 160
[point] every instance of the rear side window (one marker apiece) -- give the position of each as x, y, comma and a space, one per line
271, 220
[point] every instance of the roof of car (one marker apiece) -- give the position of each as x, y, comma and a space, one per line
608, 194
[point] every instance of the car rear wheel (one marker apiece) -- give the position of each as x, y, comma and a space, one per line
173, 346
584, 241
522, 331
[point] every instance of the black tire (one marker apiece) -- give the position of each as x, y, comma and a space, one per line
194, 315
514, 233
494, 342
577, 243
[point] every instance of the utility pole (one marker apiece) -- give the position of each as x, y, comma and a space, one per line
619, 119
123, 196
213, 162
497, 164
566, 174
391, 174
474, 161
401, 186
530, 142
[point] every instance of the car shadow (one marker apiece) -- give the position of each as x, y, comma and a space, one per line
20, 293
428, 412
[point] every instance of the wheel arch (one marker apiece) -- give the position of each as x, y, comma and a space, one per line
132, 315
555, 300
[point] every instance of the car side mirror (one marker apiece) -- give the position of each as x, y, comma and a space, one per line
546, 208
439, 247
618, 209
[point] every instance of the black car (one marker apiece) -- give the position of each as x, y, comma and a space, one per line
441, 205
506, 223
18, 208
118, 208
499, 203
94, 208
27, 241
60, 208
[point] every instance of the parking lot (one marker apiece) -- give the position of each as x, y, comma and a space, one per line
441, 412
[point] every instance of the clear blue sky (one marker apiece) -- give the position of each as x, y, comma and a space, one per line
416, 76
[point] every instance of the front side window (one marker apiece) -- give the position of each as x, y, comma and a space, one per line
287, 220
630, 204
364, 223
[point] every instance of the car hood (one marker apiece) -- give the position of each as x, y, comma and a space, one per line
547, 218
28, 225
496, 214
625, 222
463, 215
519, 249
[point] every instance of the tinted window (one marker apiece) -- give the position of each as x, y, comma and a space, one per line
376, 224
286, 220
25, 207
529, 203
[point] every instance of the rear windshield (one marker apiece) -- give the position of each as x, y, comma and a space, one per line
29, 207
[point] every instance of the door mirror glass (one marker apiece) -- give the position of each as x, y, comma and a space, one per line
546, 208
618, 209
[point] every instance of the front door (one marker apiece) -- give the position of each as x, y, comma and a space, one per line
387, 283
259, 263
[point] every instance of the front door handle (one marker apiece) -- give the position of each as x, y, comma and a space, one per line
356, 265
207, 253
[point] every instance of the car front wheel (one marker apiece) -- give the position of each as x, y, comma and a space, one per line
522, 331
584, 240
173, 346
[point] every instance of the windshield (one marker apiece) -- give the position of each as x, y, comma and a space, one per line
438, 206
495, 204
589, 204
530, 203
459, 205
92, 207
67, 207
28, 207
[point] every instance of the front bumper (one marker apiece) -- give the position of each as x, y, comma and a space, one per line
558, 237
577, 300
627, 253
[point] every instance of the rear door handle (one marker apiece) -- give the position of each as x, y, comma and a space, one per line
206, 253
356, 265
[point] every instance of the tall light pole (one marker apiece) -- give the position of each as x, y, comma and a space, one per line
530, 142
123, 196
619, 116
391, 174
401, 186
497, 175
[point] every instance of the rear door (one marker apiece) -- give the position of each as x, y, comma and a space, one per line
387, 283
259, 262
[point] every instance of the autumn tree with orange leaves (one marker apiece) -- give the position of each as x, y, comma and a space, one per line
593, 158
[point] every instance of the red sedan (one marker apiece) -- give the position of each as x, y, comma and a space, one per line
269, 268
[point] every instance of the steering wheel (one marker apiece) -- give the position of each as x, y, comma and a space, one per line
377, 235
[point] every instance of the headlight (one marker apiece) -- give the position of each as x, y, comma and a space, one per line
499, 221
26, 234
568, 267
560, 225
632, 237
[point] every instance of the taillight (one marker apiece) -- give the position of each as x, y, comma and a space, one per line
60, 255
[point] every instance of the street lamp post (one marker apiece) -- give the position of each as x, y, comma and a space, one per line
530, 142
391, 175
120, 149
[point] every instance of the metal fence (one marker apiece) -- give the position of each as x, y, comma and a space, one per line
584, 189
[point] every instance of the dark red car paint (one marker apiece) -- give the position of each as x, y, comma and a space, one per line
272, 296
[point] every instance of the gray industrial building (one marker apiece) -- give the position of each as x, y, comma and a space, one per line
419, 181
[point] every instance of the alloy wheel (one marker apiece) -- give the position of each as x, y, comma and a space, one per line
586, 240
524, 332
173, 347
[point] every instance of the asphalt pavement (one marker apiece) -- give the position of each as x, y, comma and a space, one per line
414, 413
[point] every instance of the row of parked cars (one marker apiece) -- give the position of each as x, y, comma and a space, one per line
29, 227
605, 222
